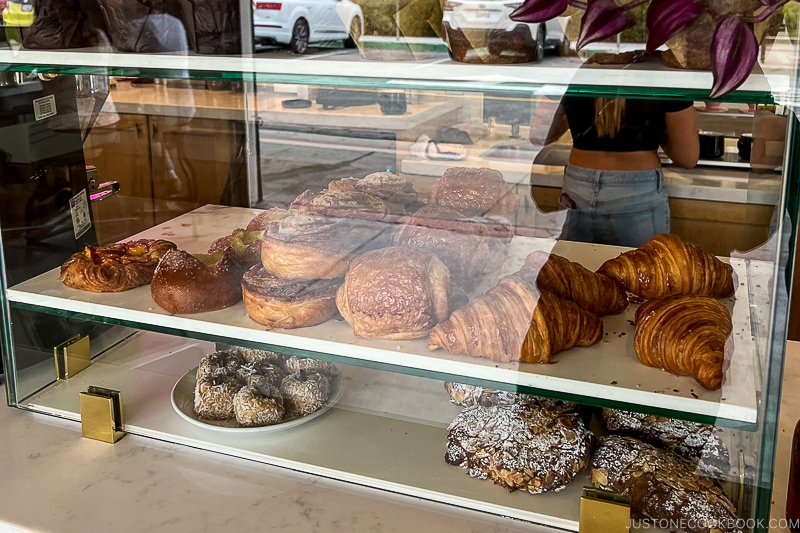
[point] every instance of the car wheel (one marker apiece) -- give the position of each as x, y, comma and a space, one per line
300, 37
355, 33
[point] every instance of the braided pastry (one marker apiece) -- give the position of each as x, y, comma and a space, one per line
667, 265
685, 335
593, 292
114, 267
515, 322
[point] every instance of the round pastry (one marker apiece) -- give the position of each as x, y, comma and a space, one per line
285, 303
475, 192
257, 373
218, 362
115, 267
255, 408
344, 204
295, 364
395, 293
308, 247
253, 355
213, 396
398, 194
184, 283
304, 392
468, 395
246, 246
470, 249
696, 442
521, 446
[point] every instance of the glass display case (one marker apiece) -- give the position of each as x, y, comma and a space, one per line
337, 263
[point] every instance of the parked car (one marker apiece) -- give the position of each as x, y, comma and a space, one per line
298, 23
470, 24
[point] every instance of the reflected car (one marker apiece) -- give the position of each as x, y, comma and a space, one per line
470, 24
299, 23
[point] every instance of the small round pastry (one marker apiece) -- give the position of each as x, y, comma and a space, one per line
213, 396
115, 267
284, 303
309, 247
468, 395
344, 204
184, 283
304, 392
253, 355
295, 364
475, 192
218, 362
251, 372
246, 246
395, 293
398, 194
255, 408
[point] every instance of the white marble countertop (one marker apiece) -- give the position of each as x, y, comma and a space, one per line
55, 480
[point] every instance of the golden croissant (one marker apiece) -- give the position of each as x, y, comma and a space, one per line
514, 321
685, 335
593, 292
667, 265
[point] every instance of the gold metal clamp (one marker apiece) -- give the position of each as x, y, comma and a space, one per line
101, 414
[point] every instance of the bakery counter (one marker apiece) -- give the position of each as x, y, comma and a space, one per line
266, 107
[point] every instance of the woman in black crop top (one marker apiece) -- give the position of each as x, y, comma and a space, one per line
614, 184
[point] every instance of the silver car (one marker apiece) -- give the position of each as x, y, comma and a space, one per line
298, 23
478, 24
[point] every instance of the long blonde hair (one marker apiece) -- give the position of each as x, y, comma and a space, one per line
609, 115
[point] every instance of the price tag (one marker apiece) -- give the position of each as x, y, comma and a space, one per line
79, 208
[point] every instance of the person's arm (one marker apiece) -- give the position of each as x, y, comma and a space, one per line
552, 112
681, 143
769, 141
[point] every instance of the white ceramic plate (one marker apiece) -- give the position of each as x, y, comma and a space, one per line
182, 399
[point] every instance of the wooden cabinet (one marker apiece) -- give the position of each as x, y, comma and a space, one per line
166, 166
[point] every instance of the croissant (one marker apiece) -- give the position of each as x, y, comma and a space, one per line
685, 335
515, 322
593, 292
667, 265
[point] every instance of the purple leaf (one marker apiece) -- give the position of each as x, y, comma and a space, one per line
603, 18
734, 51
538, 10
665, 18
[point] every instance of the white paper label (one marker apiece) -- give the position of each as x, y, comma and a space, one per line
79, 208
44, 107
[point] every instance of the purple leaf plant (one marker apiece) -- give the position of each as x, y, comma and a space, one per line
734, 48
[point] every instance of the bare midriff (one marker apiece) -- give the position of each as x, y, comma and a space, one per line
599, 160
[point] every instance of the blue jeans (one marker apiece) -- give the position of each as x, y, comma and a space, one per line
626, 208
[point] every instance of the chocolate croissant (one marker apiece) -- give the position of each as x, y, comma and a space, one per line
667, 265
515, 322
685, 335
593, 292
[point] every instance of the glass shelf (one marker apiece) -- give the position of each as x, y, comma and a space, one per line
546, 78
614, 377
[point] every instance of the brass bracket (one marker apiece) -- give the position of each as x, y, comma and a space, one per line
603, 511
72, 356
101, 414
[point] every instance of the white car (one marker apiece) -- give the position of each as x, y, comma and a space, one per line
298, 23
470, 24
